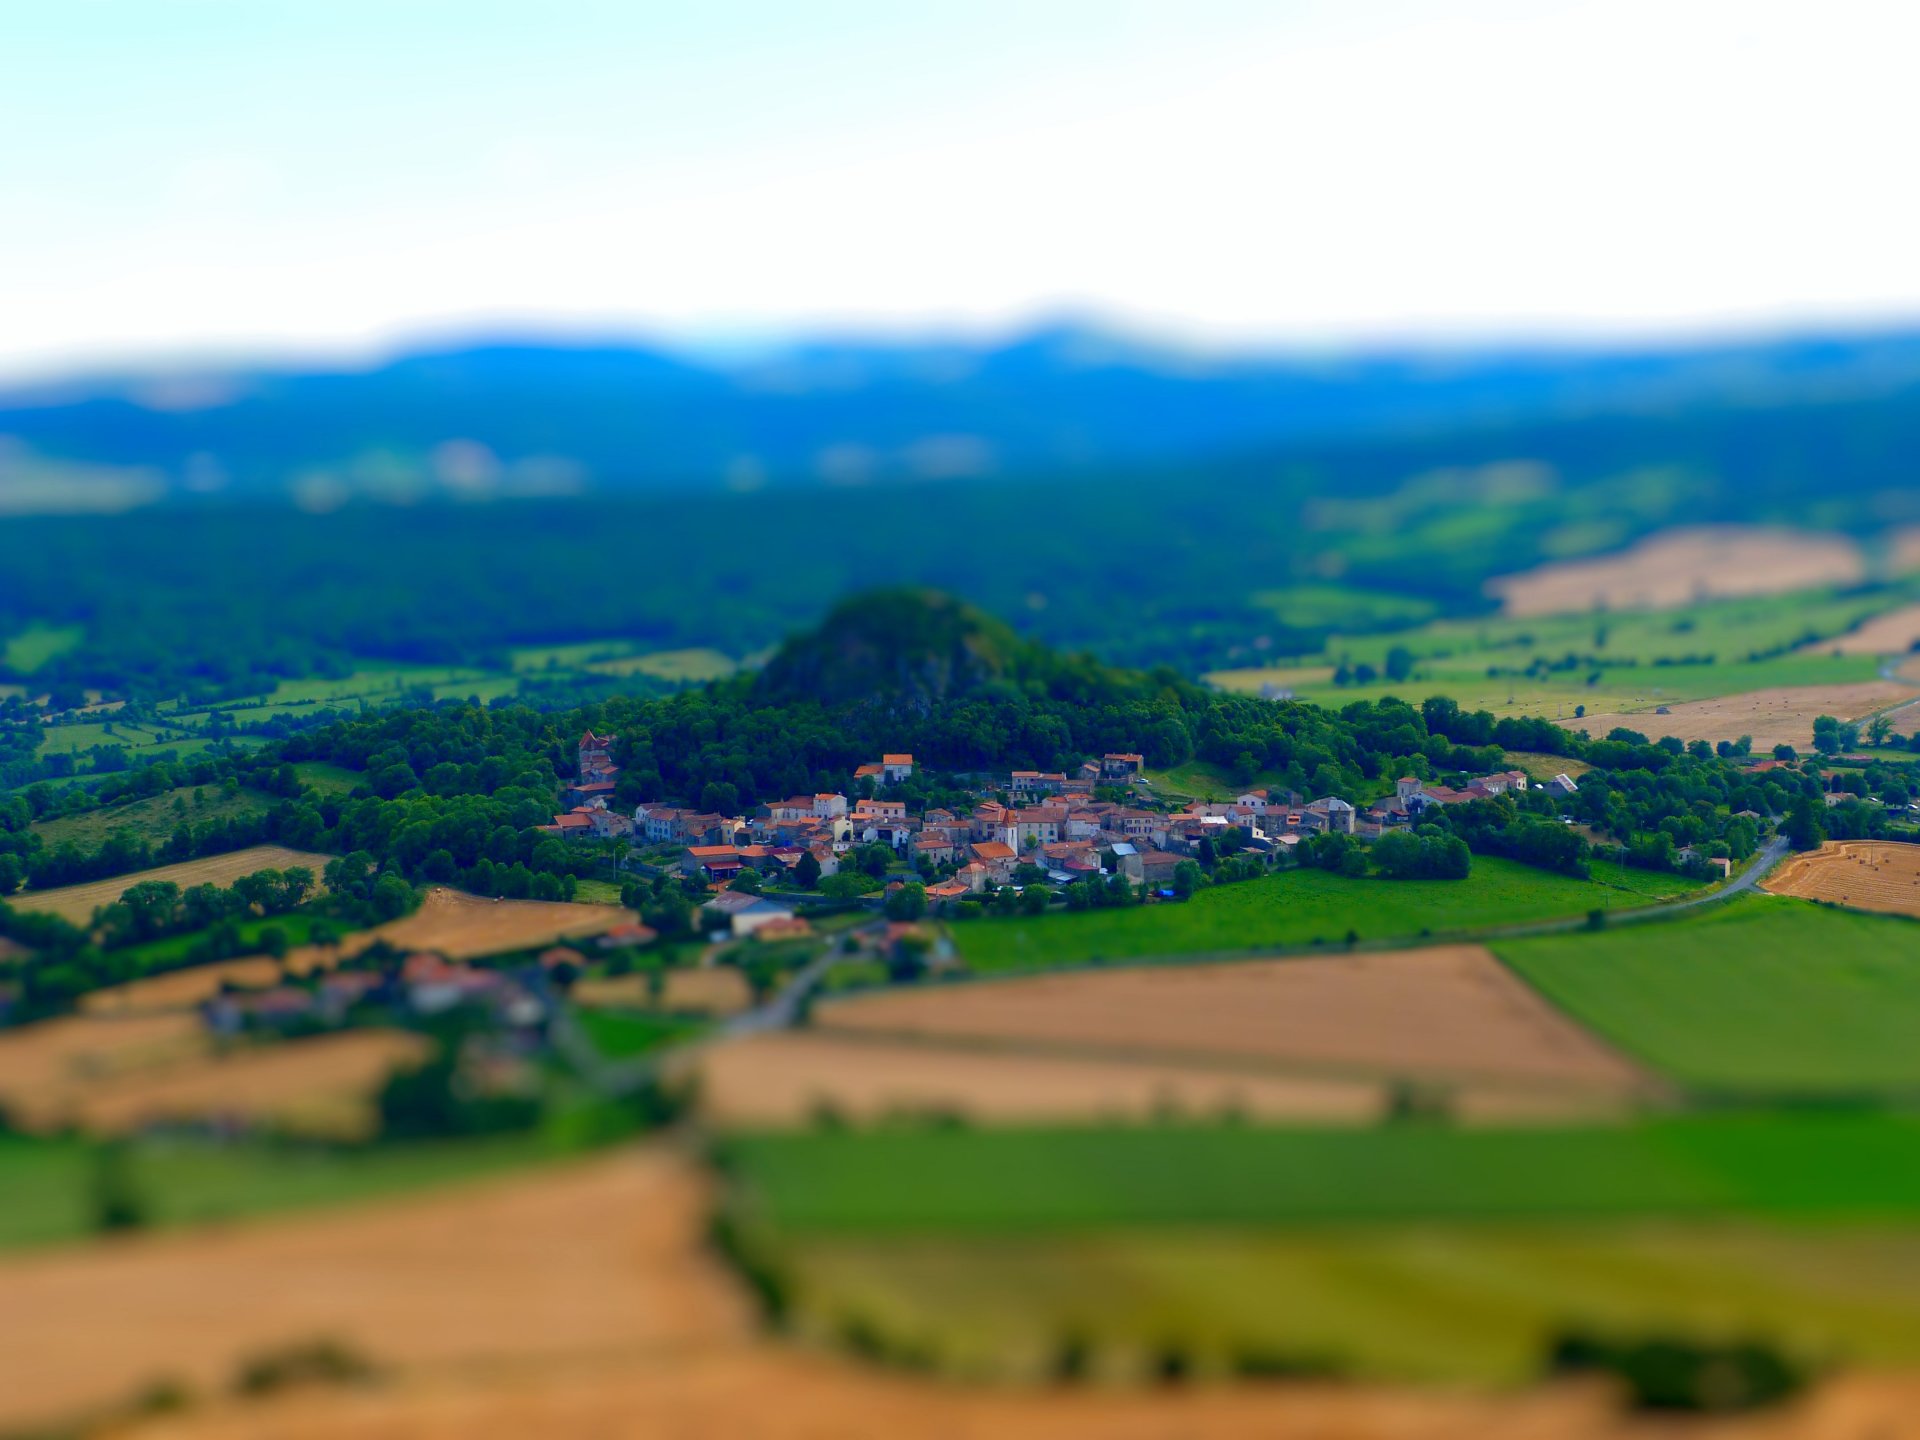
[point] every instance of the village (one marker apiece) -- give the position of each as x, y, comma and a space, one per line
1102, 822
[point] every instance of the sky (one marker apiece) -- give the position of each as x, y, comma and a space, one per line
198, 177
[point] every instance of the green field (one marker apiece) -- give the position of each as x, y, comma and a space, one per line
1299, 907
34, 646
170, 952
328, 779
1808, 1165
1766, 995
1430, 1303
1342, 607
152, 819
620, 1034
49, 1183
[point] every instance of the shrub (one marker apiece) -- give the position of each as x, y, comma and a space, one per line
1671, 1373
312, 1362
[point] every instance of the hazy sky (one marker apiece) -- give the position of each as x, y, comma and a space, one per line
241, 174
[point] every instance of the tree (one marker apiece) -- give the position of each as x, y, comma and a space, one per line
909, 902
1399, 663
1187, 878
12, 874
1804, 831
1035, 899
1879, 728
807, 871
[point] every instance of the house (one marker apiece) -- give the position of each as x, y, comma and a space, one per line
934, 849
1126, 861
998, 857
586, 792
1157, 867
876, 773
870, 812
948, 893
596, 757
824, 857
610, 825
744, 914
576, 824
1561, 786
1252, 800
1121, 767
1027, 783
660, 824
973, 875
896, 768
827, 807
711, 862
1037, 824
1332, 814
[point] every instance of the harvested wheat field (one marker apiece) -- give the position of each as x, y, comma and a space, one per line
596, 1263
1448, 1012
1881, 875
581, 1301
1894, 633
182, 989
703, 990
1676, 567
46, 1067
321, 1086
1782, 716
466, 927
78, 902
788, 1078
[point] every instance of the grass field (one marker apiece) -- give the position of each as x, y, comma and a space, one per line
152, 819
1432, 1303
622, 1034
328, 779
49, 1182
1765, 995
1298, 907
29, 649
1342, 607
903, 1181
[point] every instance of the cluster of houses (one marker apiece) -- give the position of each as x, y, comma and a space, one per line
1053, 821
422, 984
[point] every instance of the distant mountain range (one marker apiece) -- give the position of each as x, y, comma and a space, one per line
531, 418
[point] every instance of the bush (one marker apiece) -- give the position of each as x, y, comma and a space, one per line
118, 1204
313, 1362
1670, 1373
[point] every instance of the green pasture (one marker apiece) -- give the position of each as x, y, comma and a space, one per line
1326, 606
1301, 907
622, 1034
153, 819
1765, 996
1857, 1165
49, 1183
27, 650
328, 779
